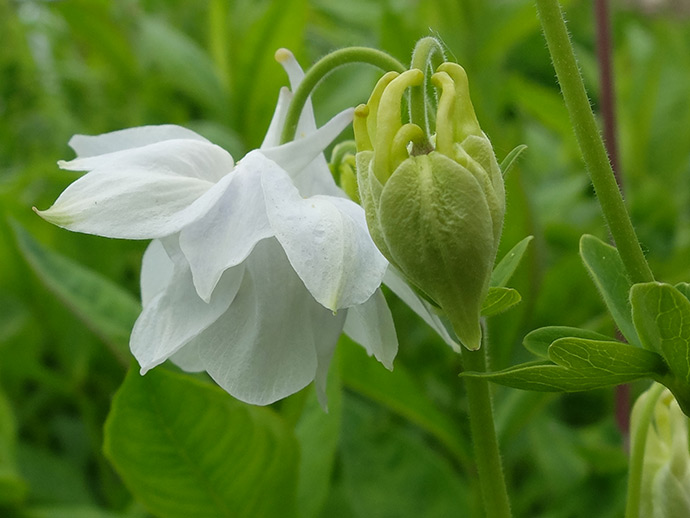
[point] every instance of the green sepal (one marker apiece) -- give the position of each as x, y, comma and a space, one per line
662, 318
608, 273
538, 341
499, 300
437, 227
511, 158
370, 193
506, 267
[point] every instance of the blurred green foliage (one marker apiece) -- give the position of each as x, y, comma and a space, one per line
397, 444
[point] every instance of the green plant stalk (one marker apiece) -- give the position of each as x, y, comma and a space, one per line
484, 441
590, 142
325, 66
639, 443
427, 53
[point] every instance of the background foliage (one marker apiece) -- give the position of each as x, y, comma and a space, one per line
392, 444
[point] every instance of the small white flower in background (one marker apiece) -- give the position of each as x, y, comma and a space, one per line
665, 488
255, 268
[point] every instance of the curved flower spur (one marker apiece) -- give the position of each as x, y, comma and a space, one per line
255, 268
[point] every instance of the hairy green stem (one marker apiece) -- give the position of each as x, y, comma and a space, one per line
325, 66
590, 142
637, 449
484, 441
427, 54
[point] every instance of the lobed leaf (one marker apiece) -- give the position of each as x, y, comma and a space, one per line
662, 318
499, 300
539, 340
621, 362
544, 377
608, 273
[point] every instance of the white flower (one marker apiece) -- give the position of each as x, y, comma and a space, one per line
255, 268
665, 489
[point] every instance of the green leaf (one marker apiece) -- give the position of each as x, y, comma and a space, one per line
399, 393
12, 486
662, 319
13, 316
684, 288
182, 63
108, 310
539, 340
318, 433
71, 511
388, 470
621, 362
499, 300
505, 269
53, 477
186, 448
257, 30
511, 158
91, 26
608, 273
544, 377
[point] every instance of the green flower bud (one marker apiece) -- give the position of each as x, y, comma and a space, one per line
434, 205
665, 490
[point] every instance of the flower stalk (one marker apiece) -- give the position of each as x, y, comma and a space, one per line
590, 141
484, 441
321, 69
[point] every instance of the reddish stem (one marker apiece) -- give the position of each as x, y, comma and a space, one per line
607, 106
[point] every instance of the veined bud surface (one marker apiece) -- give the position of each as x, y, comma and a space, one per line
434, 204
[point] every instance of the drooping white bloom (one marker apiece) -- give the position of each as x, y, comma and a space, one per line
255, 268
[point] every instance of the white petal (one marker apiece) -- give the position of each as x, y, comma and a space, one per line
306, 124
371, 325
187, 358
88, 145
153, 194
399, 286
316, 178
264, 347
325, 347
228, 232
177, 315
275, 129
296, 155
156, 271
190, 158
292, 68
326, 240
